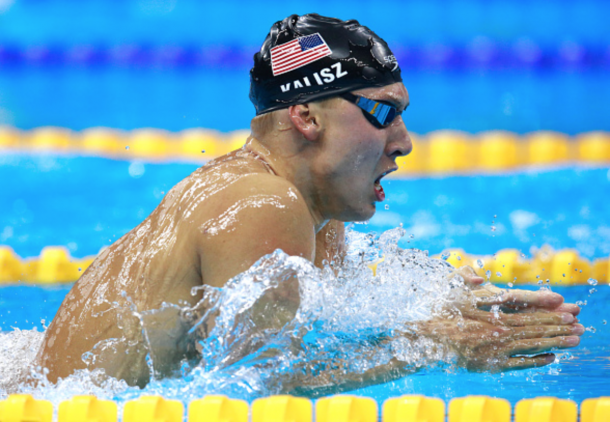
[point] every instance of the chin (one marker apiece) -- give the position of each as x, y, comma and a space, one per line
361, 214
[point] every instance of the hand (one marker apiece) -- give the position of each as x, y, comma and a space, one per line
522, 322
483, 342
514, 300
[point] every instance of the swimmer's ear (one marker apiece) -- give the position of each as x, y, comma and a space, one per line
305, 121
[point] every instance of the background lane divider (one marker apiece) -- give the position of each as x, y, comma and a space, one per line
547, 266
438, 152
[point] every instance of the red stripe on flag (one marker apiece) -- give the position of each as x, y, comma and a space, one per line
301, 55
295, 57
300, 63
310, 55
288, 53
280, 48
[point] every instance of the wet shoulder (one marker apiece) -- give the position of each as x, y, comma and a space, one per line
254, 217
255, 193
209, 182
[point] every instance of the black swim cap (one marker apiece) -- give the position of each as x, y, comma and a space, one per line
311, 57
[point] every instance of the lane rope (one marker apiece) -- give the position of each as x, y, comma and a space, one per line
547, 266
438, 152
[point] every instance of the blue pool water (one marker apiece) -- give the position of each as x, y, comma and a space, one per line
469, 65
582, 373
85, 203
472, 100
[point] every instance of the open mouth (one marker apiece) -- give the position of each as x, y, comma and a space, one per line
378, 188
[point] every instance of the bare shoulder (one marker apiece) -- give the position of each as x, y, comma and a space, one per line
254, 216
265, 185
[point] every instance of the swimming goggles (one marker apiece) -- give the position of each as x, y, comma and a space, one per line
379, 113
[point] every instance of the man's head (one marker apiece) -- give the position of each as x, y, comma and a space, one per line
336, 110
312, 57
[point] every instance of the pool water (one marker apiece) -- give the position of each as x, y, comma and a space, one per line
87, 203
579, 374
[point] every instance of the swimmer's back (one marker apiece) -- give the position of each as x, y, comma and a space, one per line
201, 233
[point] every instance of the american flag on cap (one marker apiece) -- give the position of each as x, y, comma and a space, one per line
298, 53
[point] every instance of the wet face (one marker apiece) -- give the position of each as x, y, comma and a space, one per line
357, 155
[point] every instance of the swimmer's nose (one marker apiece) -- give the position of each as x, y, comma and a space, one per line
399, 142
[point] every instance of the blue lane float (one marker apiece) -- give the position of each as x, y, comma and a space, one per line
479, 53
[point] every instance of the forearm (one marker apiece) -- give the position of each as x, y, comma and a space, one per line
383, 359
336, 380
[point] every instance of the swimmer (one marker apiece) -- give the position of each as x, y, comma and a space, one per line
329, 100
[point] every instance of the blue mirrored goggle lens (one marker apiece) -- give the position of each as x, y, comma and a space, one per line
378, 113
384, 114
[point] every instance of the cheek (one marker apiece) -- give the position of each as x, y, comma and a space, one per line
356, 146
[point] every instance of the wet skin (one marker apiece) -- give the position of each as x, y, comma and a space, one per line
291, 189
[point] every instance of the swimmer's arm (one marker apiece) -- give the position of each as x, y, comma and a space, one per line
311, 381
333, 382
250, 219
478, 341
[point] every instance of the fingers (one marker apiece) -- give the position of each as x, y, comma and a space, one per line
568, 307
528, 298
471, 279
520, 299
526, 363
548, 331
537, 318
521, 319
530, 347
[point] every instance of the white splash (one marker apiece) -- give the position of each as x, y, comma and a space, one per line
282, 326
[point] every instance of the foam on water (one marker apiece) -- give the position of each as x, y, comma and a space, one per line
282, 326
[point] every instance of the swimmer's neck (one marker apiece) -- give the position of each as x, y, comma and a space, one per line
293, 167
